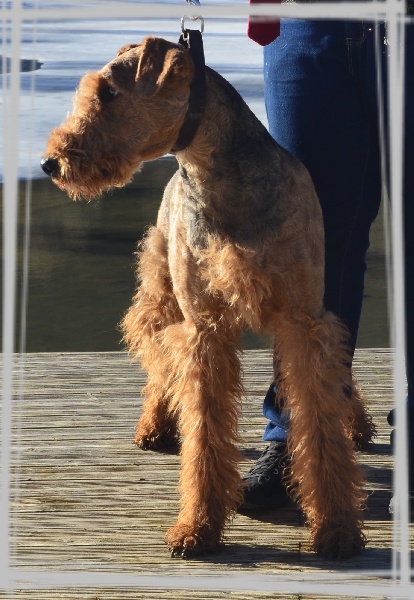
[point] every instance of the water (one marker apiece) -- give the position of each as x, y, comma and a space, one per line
81, 265
67, 49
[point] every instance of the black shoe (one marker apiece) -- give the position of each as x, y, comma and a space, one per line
263, 484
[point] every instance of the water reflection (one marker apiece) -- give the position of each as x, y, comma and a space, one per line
81, 265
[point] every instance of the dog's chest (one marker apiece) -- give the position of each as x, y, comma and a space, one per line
184, 216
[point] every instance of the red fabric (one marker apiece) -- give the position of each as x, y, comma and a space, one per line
263, 31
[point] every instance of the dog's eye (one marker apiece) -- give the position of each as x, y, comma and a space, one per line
107, 93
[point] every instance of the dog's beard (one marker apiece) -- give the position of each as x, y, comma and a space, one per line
91, 181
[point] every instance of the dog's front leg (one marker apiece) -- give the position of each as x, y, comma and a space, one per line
207, 390
154, 308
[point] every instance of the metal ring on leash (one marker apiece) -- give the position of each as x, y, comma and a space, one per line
192, 17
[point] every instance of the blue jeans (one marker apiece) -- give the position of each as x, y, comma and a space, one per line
321, 101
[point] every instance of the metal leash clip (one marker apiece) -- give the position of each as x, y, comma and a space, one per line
192, 17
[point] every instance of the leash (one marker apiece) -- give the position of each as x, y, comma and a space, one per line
192, 39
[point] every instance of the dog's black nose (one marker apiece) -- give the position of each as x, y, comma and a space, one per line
49, 165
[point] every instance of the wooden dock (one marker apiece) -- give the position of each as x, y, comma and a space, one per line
85, 500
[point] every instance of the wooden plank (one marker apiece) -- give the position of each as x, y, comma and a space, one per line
85, 499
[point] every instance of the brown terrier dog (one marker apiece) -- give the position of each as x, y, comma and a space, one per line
239, 243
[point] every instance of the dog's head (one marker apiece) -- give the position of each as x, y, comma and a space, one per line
123, 115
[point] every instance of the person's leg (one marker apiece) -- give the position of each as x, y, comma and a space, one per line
408, 188
315, 109
409, 210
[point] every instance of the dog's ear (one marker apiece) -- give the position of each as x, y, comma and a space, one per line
122, 70
160, 62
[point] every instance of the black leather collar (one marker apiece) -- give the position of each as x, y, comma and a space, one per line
192, 39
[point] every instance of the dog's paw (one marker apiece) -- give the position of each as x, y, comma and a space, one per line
335, 543
185, 541
162, 439
364, 434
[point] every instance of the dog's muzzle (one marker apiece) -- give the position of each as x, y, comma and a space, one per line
49, 166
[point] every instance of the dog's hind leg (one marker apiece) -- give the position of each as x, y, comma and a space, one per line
315, 380
207, 390
154, 307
